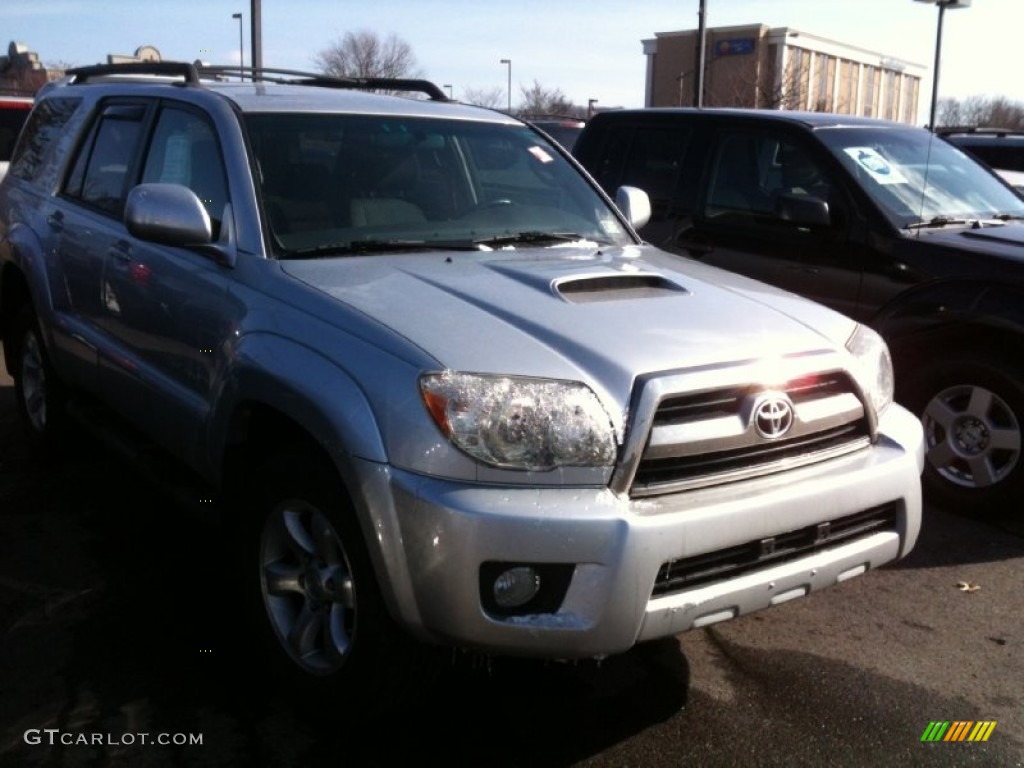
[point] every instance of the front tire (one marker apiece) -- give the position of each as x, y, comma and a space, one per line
314, 603
308, 585
972, 410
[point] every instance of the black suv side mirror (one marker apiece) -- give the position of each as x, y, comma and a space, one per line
803, 210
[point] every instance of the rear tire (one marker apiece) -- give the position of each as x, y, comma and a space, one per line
37, 389
972, 410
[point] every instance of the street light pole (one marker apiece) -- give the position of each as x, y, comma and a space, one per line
698, 86
241, 44
256, 38
508, 62
449, 87
943, 5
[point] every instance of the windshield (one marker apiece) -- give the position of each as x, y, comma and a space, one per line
917, 178
342, 184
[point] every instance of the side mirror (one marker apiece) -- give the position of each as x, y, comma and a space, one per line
634, 204
167, 213
803, 210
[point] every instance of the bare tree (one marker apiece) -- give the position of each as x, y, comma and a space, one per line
980, 112
538, 100
366, 54
787, 92
492, 98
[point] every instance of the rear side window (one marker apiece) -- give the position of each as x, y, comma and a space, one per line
100, 174
42, 129
646, 156
653, 162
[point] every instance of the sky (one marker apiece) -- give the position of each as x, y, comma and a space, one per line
589, 49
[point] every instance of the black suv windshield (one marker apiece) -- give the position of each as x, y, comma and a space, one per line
915, 177
338, 184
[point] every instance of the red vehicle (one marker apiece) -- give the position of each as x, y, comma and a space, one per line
13, 113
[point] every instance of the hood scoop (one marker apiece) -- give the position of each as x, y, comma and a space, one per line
616, 287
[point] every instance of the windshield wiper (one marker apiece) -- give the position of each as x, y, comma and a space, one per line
1007, 216
939, 221
533, 238
363, 247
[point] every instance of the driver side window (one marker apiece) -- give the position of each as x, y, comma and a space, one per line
755, 177
185, 151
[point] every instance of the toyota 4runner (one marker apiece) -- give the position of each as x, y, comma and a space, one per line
434, 377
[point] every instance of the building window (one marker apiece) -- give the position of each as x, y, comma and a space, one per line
824, 75
890, 95
870, 73
910, 85
847, 87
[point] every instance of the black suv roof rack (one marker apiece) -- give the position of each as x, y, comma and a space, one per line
168, 68
978, 130
298, 77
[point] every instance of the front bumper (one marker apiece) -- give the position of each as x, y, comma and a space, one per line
433, 536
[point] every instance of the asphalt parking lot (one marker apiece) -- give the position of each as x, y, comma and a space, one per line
112, 622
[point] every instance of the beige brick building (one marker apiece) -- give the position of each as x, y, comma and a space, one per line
781, 68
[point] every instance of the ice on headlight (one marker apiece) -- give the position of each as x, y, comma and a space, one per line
521, 423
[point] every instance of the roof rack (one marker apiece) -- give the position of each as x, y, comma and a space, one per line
297, 77
192, 74
178, 68
977, 130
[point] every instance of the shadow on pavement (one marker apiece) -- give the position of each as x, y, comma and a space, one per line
113, 620
949, 539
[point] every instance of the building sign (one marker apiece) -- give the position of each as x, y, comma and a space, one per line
734, 47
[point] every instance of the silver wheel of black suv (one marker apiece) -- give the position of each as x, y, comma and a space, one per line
972, 410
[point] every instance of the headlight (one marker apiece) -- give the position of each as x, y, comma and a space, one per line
521, 423
875, 364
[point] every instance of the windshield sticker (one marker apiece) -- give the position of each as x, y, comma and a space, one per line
880, 169
541, 155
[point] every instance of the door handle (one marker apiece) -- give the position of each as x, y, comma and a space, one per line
56, 220
121, 250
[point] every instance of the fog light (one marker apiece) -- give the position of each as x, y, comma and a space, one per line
516, 586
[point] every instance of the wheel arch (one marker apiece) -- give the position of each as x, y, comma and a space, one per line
978, 339
14, 293
24, 278
280, 395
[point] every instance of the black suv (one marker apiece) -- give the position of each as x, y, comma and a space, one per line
996, 147
999, 149
879, 220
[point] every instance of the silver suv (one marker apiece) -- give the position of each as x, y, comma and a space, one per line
435, 381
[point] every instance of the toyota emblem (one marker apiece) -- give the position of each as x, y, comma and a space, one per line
773, 416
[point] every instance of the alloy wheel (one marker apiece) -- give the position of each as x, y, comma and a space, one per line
973, 437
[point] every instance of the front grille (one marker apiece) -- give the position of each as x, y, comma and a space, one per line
710, 437
659, 471
699, 570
